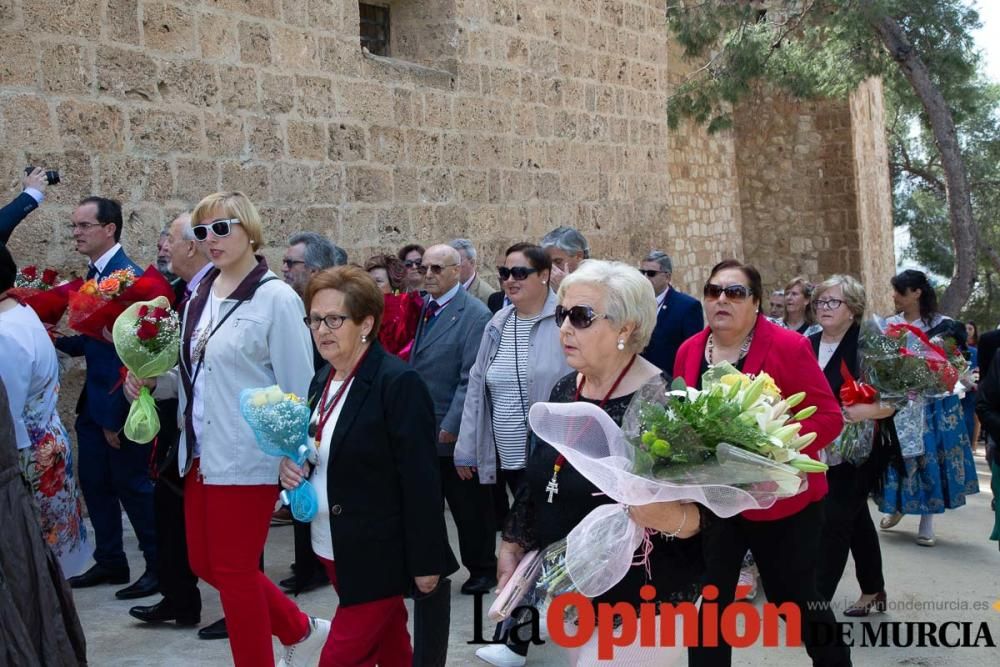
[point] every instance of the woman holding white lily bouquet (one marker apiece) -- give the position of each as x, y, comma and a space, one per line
784, 539
606, 315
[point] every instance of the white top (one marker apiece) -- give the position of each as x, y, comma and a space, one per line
826, 351
209, 316
322, 538
662, 297
29, 368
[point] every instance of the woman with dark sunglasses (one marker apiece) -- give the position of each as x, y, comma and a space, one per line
606, 316
412, 255
236, 333
784, 539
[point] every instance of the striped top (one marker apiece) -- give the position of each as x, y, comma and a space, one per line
509, 402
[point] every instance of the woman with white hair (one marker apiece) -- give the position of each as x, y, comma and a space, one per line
606, 315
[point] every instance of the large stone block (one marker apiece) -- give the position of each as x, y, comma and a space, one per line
76, 172
122, 24
251, 179
328, 183
18, 60
194, 179
291, 182
264, 138
238, 87
277, 93
91, 126
294, 49
168, 27
81, 18
387, 144
348, 143
165, 131
218, 35
315, 96
306, 140
28, 124
66, 68
126, 73
224, 135
368, 184
268, 9
188, 82
131, 179
255, 43
423, 148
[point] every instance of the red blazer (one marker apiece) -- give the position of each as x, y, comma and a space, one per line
788, 358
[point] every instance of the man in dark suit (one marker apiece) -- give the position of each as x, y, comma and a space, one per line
113, 470
451, 327
678, 316
33, 195
181, 599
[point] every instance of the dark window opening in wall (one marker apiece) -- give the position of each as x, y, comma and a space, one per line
374, 28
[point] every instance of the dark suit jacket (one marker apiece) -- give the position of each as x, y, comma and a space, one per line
444, 353
15, 212
495, 302
106, 407
678, 319
383, 482
987, 349
164, 463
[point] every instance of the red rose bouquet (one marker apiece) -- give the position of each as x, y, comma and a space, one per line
94, 307
147, 338
43, 293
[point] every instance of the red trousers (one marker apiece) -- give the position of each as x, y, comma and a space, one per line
366, 634
226, 528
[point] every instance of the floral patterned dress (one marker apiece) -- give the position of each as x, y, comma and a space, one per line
30, 371
945, 473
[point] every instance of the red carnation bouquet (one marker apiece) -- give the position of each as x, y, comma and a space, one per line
147, 339
43, 293
95, 306
399, 323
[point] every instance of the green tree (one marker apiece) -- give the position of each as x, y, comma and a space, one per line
825, 48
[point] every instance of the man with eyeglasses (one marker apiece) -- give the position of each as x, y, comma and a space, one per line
113, 469
33, 186
678, 316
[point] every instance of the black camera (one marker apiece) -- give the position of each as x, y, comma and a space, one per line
52, 176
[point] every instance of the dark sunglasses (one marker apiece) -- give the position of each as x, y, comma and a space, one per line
412, 263
650, 273
436, 269
580, 317
220, 228
732, 292
516, 272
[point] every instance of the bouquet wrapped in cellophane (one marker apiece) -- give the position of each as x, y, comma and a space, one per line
907, 368
94, 308
147, 340
731, 446
280, 423
43, 293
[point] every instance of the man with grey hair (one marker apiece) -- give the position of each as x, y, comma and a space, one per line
679, 316
468, 273
566, 247
307, 253
163, 255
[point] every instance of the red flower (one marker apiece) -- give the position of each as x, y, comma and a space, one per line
29, 272
160, 313
52, 480
147, 330
49, 276
143, 311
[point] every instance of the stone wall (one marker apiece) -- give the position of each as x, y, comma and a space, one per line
534, 114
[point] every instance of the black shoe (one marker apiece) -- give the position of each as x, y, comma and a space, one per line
164, 611
216, 630
143, 587
479, 585
317, 580
99, 575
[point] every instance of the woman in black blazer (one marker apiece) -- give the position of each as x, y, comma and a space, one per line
848, 527
380, 527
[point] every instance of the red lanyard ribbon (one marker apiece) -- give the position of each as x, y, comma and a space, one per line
326, 410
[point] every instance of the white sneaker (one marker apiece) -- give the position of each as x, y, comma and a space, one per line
748, 578
500, 655
306, 652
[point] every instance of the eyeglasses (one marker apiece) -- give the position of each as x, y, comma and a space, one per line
828, 304
436, 269
220, 228
292, 262
732, 292
84, 226
650, 273
580, 317
412, 263
515, 272
331, 321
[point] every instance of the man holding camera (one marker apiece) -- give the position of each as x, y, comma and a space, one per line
34, 182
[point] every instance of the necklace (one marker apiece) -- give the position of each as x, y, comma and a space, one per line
744, 348
552, 488
214, 306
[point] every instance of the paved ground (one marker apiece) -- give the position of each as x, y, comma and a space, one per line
937, 585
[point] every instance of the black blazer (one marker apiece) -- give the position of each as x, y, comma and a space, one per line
163, 466
847, 351
383, 482
679, 318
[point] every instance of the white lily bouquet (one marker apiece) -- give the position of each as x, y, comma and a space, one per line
733, 445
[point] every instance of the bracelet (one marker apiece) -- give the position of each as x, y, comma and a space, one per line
674, 534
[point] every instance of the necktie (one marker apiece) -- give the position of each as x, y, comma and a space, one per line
91, 272
429, 314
